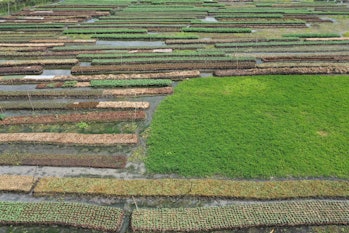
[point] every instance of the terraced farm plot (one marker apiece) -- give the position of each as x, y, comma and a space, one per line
80, 85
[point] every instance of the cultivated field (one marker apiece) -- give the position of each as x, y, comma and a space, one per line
174, 116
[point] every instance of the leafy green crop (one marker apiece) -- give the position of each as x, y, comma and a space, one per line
64, 214
216, 30
253, 127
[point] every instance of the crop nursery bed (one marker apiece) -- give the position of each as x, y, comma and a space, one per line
92, 93
106, 116
207, 188
241, 216
69, 138
17, 184
46, 62
94, 161
18, 70
174, 75
212, 65
78, 215
285, 70
309, 58
116, 105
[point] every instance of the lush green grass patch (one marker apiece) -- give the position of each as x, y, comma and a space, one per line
253, 127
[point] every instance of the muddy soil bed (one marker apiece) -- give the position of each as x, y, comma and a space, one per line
110, 69
18, 70
57, 63
94, 161
285, 70
69, 138
76, 117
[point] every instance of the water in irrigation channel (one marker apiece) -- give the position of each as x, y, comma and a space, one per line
209, 19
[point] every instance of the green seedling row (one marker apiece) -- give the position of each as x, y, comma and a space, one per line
148, 55
204, 219
312, 35
222, 16
216, 30
62, 213
144, 36
286, 43
130, 83
166, 60
103, 30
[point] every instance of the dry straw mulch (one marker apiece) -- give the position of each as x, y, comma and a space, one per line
69, 138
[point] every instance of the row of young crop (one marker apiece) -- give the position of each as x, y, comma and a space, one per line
240, 215
105, 116
282, 43
173, 75
159, 59
108, 83
78, 93
307, 212
206, 188
153, 67
310, 69
116, 105
54, 160
165, 55
69, 139
61, 213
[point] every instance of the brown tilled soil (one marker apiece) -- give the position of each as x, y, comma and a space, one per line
109, 116
96, 161
161, 67
69, 138
285, 70
18, 70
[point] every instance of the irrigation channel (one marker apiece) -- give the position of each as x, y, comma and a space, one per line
80, 83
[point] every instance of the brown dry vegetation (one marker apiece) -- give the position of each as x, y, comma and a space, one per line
69, 138
195, 187
96, 161
75, 117
10, 183
285, 70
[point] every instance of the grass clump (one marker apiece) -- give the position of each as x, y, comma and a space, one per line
253, 127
